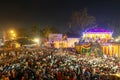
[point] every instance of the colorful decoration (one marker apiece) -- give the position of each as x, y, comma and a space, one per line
86, 45
97, 33
102, 35
111, 49
98, 29
84, 50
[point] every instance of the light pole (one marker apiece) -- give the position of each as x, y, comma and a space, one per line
12, 37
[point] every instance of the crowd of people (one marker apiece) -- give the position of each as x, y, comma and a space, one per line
56, 64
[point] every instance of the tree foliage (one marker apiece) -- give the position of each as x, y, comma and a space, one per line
23, 32
24, 41
35, 31
25, 35
49, 30
81, 19
114, 26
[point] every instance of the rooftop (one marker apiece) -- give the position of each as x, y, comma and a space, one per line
97, 29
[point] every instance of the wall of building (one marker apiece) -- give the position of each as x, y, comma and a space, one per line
69, 43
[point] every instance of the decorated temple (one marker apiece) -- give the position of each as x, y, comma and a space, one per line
98, 33
104, 42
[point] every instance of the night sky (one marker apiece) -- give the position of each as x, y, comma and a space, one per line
25, 13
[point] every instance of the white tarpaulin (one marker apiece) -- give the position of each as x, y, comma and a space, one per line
55, 37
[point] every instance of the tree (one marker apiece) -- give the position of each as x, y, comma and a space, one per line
81, 20
49, 30
114, 25
24, 41
25, 35
35, 31
31, 32
23, 32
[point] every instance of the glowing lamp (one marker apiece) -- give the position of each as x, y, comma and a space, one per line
36, 40
116, 40
12, 31
14, 34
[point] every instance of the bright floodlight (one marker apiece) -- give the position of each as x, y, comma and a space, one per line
14, 34
116, 40
12, 31
36, 40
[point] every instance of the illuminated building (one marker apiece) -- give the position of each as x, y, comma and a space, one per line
102, 35
98, 33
